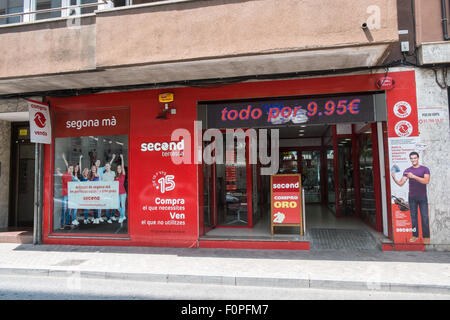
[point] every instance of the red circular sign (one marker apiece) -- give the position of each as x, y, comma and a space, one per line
39, 119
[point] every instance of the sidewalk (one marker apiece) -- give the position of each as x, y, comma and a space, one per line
357, 270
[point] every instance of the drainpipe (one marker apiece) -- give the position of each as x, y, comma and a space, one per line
444, 20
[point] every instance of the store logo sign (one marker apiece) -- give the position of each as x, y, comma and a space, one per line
39, 119
403, 128
402, 109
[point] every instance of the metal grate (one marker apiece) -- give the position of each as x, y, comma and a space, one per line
341, 239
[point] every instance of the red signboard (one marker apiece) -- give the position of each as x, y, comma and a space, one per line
286, 200
92, 122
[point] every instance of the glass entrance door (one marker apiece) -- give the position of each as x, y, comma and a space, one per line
22, 175
233, 187
311, 176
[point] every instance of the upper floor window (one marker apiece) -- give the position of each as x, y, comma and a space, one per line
41, 9
8, 7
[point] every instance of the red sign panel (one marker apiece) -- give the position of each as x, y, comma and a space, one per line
92, 123
286, 199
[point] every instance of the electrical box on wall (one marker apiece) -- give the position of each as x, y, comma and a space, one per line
405, 46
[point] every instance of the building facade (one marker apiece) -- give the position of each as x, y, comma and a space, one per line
348, 92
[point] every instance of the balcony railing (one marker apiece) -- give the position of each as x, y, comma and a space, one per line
66, 11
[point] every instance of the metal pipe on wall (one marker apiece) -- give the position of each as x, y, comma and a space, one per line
444, 20
37, 220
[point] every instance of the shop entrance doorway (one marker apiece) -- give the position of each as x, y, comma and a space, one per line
340, 172
21, 212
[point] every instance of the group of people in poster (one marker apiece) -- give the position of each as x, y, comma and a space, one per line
96, 172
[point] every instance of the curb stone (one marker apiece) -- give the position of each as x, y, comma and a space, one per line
235, 280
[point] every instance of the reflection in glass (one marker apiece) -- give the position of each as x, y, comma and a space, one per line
345, 174
288, 162
8, 7
311, 175
232, 188
368, 208
330, 181
48, 4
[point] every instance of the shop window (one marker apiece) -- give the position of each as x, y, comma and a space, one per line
90, 165
91, 174
366, 176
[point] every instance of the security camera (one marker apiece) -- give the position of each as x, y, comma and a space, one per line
364, 26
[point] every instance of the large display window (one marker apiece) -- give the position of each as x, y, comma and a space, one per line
90, 184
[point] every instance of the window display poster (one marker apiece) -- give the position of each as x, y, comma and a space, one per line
286, 202
93, 195
408, 191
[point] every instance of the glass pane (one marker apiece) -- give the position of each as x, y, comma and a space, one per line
311, 175
288, 162
232, 188
330, 180
345, 173
88, 9
48, 4
10, 6
368, 208
90, 174
208, 208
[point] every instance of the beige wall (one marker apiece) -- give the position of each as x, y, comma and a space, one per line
428, 21
203, 29
47, 47
193, 30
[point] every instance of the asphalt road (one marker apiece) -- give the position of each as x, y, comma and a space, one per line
23, 287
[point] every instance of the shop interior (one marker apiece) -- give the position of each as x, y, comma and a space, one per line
339, 167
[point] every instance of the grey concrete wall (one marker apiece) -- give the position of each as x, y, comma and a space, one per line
436, 137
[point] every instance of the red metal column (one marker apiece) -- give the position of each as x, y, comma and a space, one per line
377, 179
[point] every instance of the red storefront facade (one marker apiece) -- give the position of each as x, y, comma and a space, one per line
147, 138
